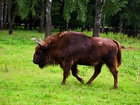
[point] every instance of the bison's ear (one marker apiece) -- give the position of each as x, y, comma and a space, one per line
43, 45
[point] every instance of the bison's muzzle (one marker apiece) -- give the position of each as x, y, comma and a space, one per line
39, 64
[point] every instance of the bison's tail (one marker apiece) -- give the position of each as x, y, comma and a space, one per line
119, 56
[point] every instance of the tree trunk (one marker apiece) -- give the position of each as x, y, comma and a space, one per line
83, 27
121, 24
30, 21
5, 14
25, 25
98, 13
67, 26
1, 13
41, 26
11, 17
48, 18
103, 23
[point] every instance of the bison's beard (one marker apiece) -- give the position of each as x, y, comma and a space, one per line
46, 62
42, 65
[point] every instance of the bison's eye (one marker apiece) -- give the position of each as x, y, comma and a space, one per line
38, 52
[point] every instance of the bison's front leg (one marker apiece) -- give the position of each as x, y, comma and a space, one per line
66, 71
65, 75
75, 72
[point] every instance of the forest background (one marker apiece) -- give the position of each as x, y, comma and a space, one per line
95, 15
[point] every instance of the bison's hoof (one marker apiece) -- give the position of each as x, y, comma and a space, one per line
88, 83
82, 81
115, 87
62, 83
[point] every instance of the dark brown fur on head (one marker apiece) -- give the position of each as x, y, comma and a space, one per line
42, 53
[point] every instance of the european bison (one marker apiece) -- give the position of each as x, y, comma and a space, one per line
72, 48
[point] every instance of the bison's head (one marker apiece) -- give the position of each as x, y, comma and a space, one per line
40, 55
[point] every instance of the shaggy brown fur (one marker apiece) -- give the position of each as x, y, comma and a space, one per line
72, 48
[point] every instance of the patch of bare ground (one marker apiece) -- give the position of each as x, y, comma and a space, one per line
128, 48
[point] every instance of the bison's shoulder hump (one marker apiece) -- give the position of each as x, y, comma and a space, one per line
69, 37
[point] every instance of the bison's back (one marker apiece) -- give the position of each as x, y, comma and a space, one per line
78, 47
81, 48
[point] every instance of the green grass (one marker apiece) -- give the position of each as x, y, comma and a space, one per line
24, 83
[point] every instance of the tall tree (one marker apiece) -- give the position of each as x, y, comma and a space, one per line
131, 17
28, 10
98, 13
78, 6
106, 8
42, 15
11, 15
115, 7
48, 30
1, 13
5, 14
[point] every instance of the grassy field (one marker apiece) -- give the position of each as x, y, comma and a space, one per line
24, 83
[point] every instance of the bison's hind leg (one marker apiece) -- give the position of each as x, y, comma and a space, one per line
113, 69
75, 72
114, 72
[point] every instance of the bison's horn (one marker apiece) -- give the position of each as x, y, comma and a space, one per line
39, 43
39, 40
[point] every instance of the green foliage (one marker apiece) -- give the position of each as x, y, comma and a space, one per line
125, 11
81, 9
68, 9
26, 6
90, 15
122, 38
79, 6
131, 14
112, 7
23, 83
